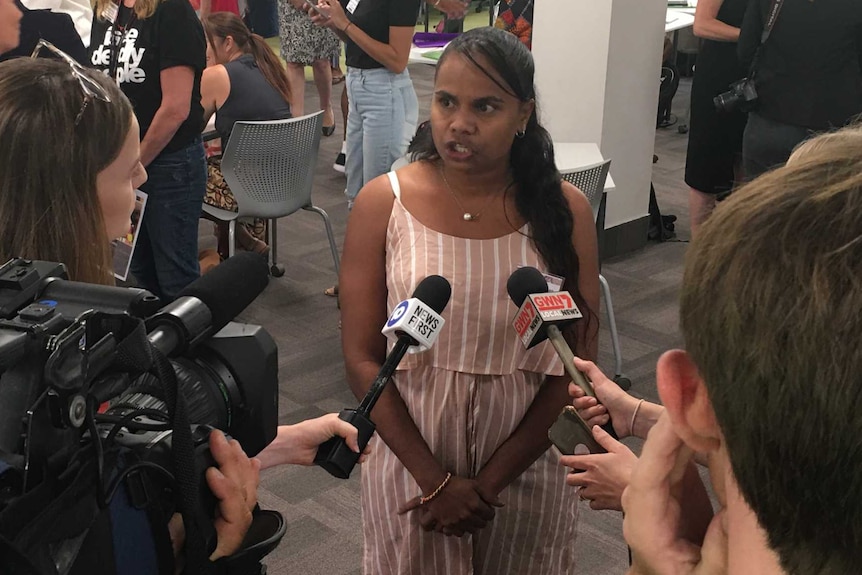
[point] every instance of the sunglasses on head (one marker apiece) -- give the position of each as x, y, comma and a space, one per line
90, 88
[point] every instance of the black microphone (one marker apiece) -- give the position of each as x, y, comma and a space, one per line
416, 323
540, 316
209, 303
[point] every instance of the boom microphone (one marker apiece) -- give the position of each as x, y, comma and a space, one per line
209, 303
540, 316
414, 324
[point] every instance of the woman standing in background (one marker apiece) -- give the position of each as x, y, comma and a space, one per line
304, 44
383, 110
156, 52
715, 138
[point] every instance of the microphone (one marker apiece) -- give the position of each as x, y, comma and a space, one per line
208, 304
418, 317
540, 316
414, 323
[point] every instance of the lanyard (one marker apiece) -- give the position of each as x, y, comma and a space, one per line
118, 36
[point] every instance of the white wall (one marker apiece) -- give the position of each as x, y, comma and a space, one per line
597, 74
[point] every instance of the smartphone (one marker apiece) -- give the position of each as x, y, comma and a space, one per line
570, 430
313, 6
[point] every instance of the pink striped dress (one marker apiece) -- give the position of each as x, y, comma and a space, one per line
467, 395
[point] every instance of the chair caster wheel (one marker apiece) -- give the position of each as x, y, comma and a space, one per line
624, 382
277, 270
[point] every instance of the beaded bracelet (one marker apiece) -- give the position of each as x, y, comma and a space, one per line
436, 492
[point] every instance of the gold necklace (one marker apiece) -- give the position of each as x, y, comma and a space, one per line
470, 216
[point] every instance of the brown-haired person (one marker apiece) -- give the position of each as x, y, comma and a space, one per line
156, 52
767, 388
69, 165
466, 423
68, 173
243, 81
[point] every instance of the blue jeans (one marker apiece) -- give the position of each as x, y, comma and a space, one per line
381, 122
166, 255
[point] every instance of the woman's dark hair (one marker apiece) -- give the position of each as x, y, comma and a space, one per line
539, 197
223, 24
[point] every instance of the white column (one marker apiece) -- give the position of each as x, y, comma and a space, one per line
597, 75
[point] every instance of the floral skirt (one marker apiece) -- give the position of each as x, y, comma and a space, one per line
220, 196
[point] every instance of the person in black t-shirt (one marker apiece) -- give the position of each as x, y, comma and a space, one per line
383, 110
156, 51
808, 77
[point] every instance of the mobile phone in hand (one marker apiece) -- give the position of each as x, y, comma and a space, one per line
313, 6
570, 430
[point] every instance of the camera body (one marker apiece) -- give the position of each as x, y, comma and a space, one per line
741, 96
83, 410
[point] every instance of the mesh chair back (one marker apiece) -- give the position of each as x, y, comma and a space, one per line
591, 181
269, 166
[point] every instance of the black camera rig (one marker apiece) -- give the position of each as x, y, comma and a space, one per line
106, 403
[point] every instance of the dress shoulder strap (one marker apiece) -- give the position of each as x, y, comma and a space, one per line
396, 187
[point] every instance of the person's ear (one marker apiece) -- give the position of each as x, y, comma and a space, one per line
684, 395
526, 111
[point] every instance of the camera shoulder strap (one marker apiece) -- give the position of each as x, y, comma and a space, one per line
774, 9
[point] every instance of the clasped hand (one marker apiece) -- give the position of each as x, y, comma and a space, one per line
462, 506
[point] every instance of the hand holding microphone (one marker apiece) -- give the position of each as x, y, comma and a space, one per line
540, 316
414, 325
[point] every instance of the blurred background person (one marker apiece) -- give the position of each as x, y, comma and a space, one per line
156, 52
304, 44
55, 27
714, 156
778, 423
465, 424
80, 11
244, 81
383, 110
262, 17
10, 25
211, 6
808, 75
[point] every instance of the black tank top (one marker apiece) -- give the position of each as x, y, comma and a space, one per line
251, 98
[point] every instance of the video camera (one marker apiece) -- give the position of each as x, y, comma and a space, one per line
106, 403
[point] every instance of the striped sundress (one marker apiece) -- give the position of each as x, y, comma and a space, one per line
466, 396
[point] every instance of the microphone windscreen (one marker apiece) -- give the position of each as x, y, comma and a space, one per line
230, 286
434, 291
523, 282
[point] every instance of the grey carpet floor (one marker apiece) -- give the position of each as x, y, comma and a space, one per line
324, 534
